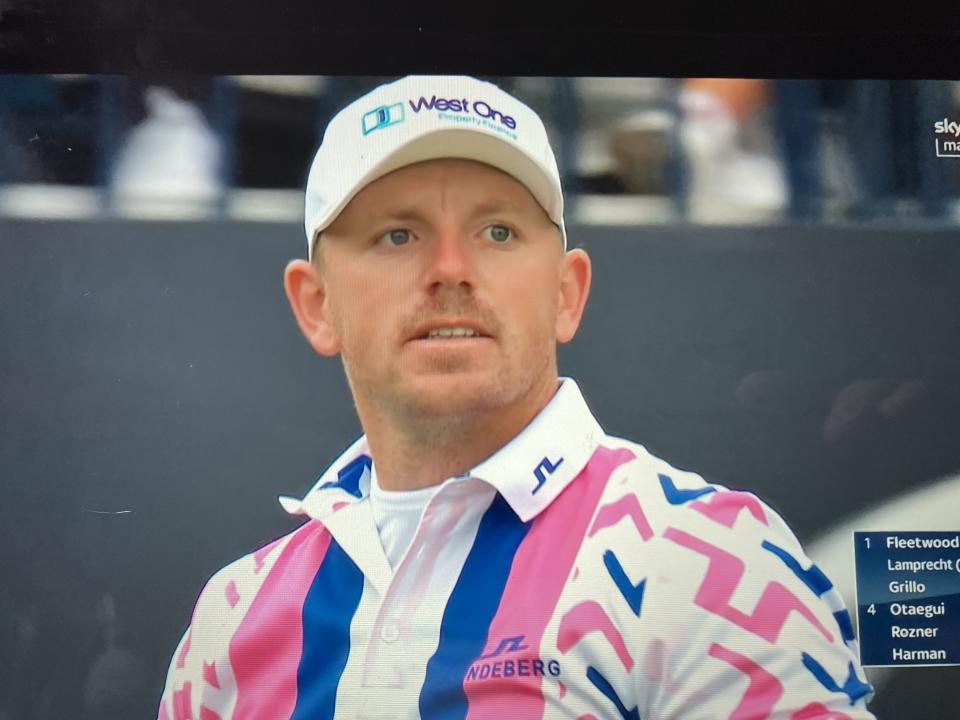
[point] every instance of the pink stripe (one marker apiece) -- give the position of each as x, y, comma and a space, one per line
208, 714
182, 658
162, 713
265, 650
762, 692
588, 617
233, 597
657, 667
181, 703
261, 555
816, 711
627, 506
725, 507
210, 674
540, 570
723, 576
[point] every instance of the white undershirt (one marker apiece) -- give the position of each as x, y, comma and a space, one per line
397, 514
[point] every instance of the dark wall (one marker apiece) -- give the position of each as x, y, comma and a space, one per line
156, 397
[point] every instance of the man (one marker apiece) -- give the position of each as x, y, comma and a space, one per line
485, 549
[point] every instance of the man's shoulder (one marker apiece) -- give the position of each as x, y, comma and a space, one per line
674, 500
662, 521
235, 585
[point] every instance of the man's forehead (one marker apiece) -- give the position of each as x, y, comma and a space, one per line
486, 188
426, 168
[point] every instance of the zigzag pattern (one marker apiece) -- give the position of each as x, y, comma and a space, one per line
816, 711
846, 625
181, 703
724, 573
853, 687
586, 618
260, 556
231, 594
819, 584
726, 507
182, 657
633, 594
813, 577
210, 674
604, 686
678, 496
762, 693
612, 513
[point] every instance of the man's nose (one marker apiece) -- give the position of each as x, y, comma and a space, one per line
450, 261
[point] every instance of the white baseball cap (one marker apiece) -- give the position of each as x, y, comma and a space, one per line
421, 118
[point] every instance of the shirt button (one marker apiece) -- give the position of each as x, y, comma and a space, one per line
390, 632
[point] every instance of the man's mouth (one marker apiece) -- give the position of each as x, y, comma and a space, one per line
454, 332
452, 329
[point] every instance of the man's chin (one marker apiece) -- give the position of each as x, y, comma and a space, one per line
453, 395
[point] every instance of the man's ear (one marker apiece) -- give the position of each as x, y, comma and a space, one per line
306, 293
575, 276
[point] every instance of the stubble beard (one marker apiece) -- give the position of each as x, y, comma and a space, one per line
448, 411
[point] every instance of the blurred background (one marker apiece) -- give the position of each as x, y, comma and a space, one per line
776, 306
631, 150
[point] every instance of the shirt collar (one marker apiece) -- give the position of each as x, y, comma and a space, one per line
529, 472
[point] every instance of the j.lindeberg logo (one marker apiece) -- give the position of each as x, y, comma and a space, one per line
486, 667
949, 146
381, 117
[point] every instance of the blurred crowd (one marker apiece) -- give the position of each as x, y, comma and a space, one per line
713, 149
716, 150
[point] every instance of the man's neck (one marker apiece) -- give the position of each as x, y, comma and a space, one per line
415, 453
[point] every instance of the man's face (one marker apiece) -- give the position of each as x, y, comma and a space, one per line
442, 287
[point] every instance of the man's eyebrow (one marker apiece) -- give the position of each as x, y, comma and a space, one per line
411, 214
401, 215
494, 206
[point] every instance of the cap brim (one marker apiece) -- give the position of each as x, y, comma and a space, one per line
467, 145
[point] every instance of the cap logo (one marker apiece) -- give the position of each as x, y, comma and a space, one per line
463, 111
381, 117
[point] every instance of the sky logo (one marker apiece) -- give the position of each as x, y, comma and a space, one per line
947, 147
381, 117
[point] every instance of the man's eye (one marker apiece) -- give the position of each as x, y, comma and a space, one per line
395, 237
499, 233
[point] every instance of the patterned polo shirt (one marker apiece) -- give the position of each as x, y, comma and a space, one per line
570, 575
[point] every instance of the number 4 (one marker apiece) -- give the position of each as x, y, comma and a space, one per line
872, 609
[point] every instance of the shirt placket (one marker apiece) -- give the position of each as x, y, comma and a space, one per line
400, 618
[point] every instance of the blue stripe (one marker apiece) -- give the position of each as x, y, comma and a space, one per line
633, 594
604, 686
812, 578
678, 496
329, 607
853, 687
846, 625
470, 610
348, 478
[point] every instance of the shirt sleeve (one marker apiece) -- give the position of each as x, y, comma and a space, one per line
739, 623
200, 662
170, 700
